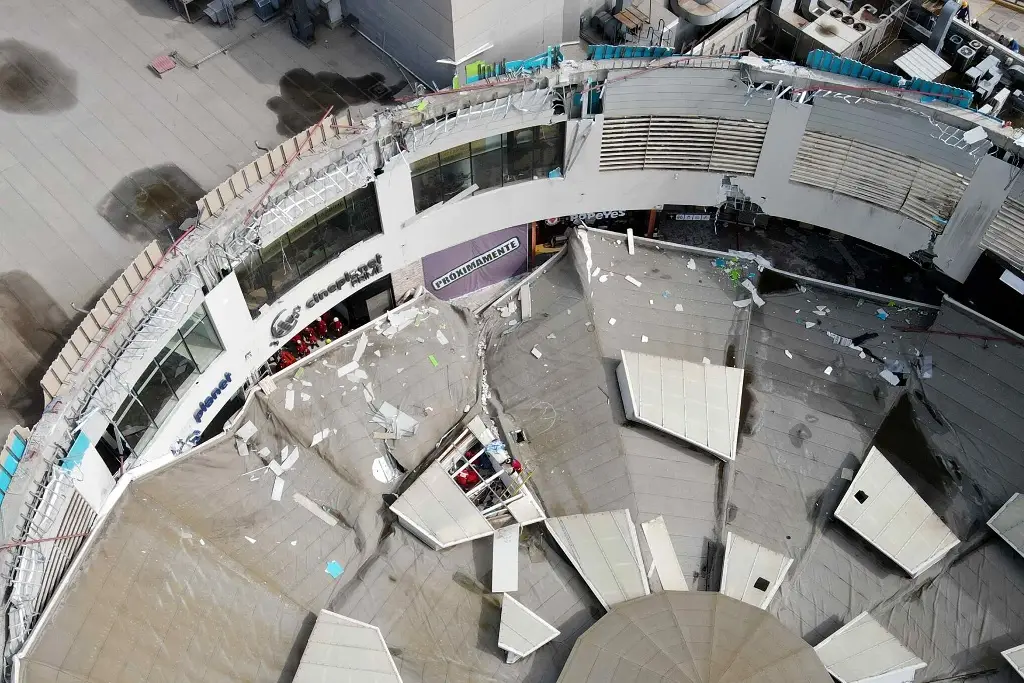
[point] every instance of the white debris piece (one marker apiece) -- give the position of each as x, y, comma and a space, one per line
603, 278
357, 376
305, 383
242, 448
289, 400
377, 353
679, 308
360, 347
808, 324
551, 336
264, 452
535, 352
749, 286
822, 310
706, 361
828, 370
314, 508
246, 431
585, 241
526, 302
441, 339
789, 355
691, 264
633, 281
611, 321
629, 241
275, 494
391, 418
320, 436
292, 458
275, 467
305, 397
508, 309
267, 385
742, 303
348, 368
643, 339
597, 271
250, 539
890, 377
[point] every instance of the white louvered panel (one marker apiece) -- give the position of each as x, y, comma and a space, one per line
79, 518
737, 146
681, 143
876, 175
933, 195
820, 160
1005, 234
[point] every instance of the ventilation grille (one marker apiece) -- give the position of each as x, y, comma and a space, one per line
78, 521
681, 143
1005, 234
917, 189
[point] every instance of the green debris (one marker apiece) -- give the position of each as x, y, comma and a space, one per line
433, 361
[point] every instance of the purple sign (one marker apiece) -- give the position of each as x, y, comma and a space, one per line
477, 263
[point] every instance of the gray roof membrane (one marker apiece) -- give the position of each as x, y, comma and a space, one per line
170, 587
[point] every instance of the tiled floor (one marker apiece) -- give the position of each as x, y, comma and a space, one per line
99, 155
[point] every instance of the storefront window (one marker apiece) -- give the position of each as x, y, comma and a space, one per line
275, 269
491, 162
189, 352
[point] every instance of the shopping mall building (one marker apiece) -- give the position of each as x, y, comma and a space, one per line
459, 190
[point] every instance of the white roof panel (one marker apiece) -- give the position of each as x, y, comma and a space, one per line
435, 505
343, 650
886, 511
505, 560
1015, 656
663, 555
603, 547
752, 573
1008, 522
696, 402
863, 650
522, 632
920, 62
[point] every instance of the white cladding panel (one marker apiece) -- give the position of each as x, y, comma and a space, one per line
884, 509
863, 650
522, 632
436, 505
603, 547
1008, 522
752, 573
696, 402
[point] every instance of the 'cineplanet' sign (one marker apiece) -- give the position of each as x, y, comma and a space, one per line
475, 263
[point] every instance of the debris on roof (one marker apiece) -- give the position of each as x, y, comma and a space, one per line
522, 632
862, 650
752, 573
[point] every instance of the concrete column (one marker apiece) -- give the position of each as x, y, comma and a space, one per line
781, 142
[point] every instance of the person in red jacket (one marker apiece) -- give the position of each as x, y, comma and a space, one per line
301, 347
336, 327
311, 336
321, 326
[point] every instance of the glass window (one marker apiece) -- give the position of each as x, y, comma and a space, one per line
487, 144
487, 169
426, 188
177, 366
155, 393
425, 164
307, 247
456, 177
454, 154
134, 423
202, 342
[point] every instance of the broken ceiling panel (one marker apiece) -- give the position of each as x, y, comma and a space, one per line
344, 650
522, 632
663, 555
435, 509
752, 573
1008, 522
603, 547
696, 402
886, 511
863, 650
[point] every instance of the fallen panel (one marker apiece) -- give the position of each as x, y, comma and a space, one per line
435, 509
886, 511
605, 551
863, 650
526, 510
1008, 522
752, 573
522, 632
920, 62
663, 555
347, 651
696, 402
505, 560
1015, 656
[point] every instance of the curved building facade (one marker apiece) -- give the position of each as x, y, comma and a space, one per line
447, 192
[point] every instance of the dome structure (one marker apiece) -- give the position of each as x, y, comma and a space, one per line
691, 637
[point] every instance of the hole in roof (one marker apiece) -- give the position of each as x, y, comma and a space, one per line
762, 583
860, 496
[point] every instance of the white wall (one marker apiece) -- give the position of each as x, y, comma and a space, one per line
517, 30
